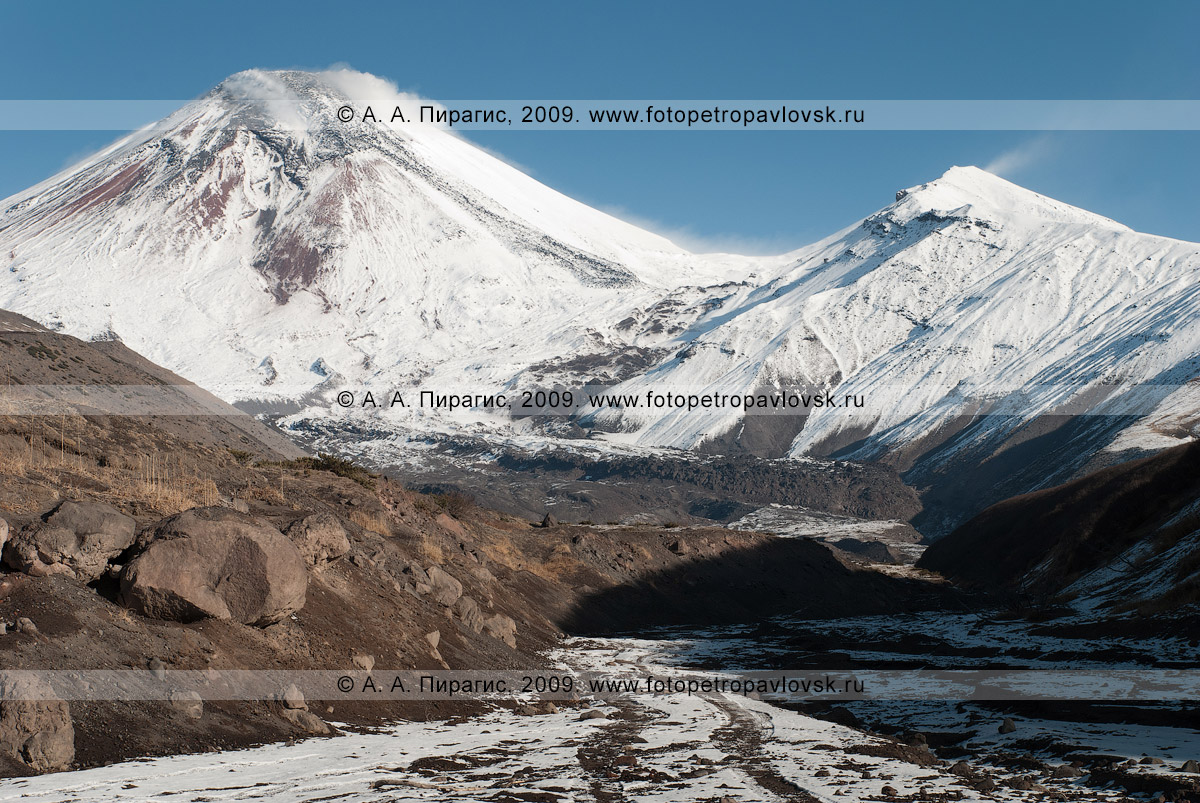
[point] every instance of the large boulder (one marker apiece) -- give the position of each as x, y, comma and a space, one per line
78, 538
305, 720
189, 703
443, 587
321, 538
293, 698
3, 533
501, 627
416, 580
35, 727
469, 614
215, 563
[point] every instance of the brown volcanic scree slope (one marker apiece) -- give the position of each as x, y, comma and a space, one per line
31, 354
1128, 533
383, 597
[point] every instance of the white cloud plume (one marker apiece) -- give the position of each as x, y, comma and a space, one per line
1015, 161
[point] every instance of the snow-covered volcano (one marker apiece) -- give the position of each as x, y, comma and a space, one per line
265, 249
258, 243
969, 295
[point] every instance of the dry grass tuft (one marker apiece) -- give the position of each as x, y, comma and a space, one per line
431, 549
168, 497
13, 465
265, 493
373, 522
163, 485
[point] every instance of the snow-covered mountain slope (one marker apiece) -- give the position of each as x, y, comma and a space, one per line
258, 244
264, 249
967, 294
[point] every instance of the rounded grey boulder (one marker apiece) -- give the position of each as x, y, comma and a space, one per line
1066, 771
35, 726
444, 588
215, 563
293, 698
321, 538
305, 720
469, 613
78, 538
502, 627
189, 703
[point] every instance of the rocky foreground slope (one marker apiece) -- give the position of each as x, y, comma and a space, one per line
184, 542
299, 583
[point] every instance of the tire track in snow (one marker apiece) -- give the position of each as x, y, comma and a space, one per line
743, 737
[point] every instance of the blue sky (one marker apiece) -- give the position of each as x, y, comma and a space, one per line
753, 191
